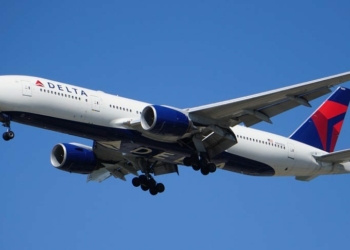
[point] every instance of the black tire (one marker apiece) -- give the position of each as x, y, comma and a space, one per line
212, 167
187, 161
144, 187
5, 136
160, 187
196, 167
151, 183
10, 134
143, 179
205, 171
194, 159
136, 182
153, 191
203, 162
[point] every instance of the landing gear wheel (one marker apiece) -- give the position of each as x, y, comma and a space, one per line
212, 167
147, 182
194, 160
136, 182
9, 135
153, 191
203, 162
6, 122
187, 161
205, 170
196, 167
160, 187
5, 136
151, 183
143, 179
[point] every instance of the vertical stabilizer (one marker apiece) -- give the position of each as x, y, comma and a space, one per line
322, 128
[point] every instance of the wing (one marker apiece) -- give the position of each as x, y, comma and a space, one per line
261, 107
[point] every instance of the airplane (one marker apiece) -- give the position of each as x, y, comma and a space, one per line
147, 140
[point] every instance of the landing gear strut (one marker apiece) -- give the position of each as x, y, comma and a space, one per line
200, 162
9, 134
147, 183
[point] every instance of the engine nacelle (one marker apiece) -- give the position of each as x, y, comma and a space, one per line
73, 158
165, 121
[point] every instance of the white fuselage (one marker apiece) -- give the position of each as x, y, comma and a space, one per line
74, 104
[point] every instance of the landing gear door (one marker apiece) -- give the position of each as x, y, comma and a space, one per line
26, 88
95, 101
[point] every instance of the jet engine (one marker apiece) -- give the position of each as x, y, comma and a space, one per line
163, 120
73, 158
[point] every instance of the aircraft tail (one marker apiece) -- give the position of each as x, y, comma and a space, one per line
322, 128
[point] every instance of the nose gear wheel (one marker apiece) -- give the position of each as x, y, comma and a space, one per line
9, 134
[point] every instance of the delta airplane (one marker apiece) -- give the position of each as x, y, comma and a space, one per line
146, 140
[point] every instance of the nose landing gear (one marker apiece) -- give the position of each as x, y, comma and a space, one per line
9, 134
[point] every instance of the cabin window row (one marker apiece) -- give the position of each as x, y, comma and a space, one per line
262, 141
122, 108
61, 94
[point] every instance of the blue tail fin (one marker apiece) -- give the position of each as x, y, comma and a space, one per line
322, 128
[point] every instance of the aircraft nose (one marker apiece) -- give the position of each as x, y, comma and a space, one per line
2, 84
5, 79
9, 92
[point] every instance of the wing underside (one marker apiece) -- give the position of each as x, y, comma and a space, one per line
119, 165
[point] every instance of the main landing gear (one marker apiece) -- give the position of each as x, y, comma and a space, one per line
147, 183
200, 162
9, 134
146, 180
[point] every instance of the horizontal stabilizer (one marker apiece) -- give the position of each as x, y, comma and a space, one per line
335, 157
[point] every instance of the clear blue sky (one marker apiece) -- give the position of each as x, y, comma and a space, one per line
184, 54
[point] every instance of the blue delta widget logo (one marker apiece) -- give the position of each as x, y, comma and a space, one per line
61, 88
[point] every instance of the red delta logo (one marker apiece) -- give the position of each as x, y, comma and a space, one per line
39, 84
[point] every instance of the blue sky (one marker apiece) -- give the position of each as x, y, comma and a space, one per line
184, 54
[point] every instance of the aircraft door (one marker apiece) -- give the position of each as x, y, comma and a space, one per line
95, 101
26, 88
290, 159
290, 151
